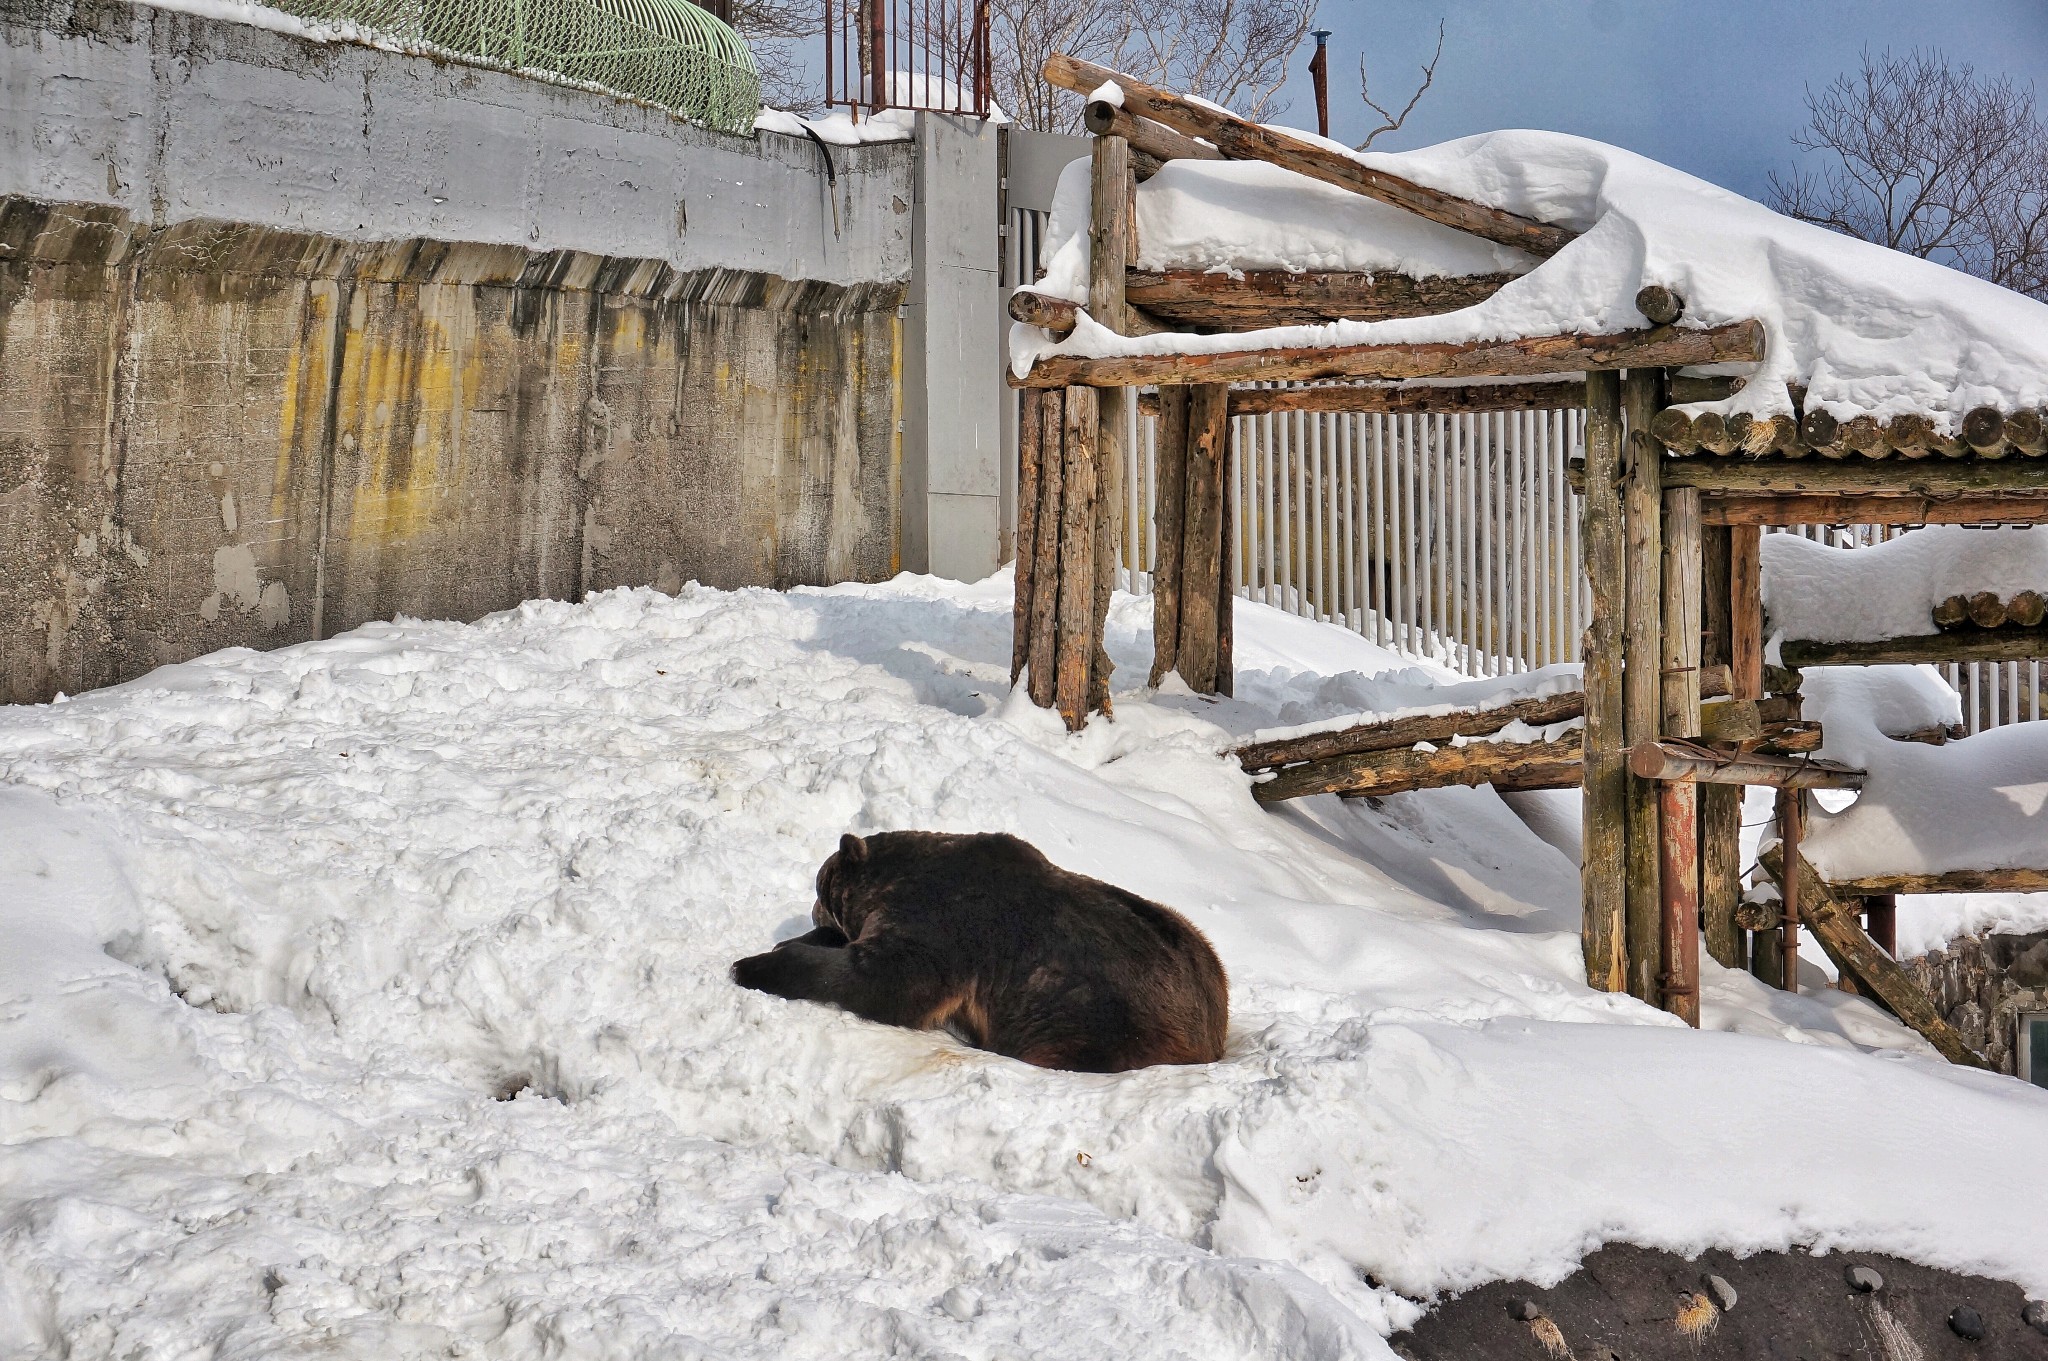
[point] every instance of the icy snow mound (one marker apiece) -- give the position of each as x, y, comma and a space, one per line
1817, 592
369, 997
1867, 330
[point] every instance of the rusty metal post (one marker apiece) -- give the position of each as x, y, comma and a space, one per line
1788, 888
1319, 72
878, 55
1679, 881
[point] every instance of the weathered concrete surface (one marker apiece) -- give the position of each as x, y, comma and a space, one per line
220, 430
215, 434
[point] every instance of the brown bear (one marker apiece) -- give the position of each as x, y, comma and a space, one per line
983, 936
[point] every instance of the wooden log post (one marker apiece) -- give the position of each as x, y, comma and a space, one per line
1881, 913
1201, 563
1746, 682
1720, 825
1605, 797
1170, 494
1045, 569
1077, 618
1642, 664
1791, 828
1109, 236
1678, 806
1030, 409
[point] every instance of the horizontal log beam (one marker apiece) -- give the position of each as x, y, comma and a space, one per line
1243, 140
1397, 734
1973, 645
1057, 315
1821, 508
1252, 299
1777, 477
1148, 139
1659, 347
1948, 881
1438, 399
1683, 762
1505, 765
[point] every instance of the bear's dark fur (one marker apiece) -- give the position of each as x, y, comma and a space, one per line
983, 936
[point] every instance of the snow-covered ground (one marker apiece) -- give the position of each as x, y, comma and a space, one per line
367, 998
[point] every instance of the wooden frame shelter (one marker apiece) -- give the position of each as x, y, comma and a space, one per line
1674, 506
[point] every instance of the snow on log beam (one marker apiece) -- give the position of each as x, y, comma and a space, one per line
1673, 759
1242, 140
1396, 734
1528, 356
1985, 645
1504, 765
1253, 299
1833, 923
1151, 144
1781, 476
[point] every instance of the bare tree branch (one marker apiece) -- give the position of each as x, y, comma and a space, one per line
1392, 122
1931, 159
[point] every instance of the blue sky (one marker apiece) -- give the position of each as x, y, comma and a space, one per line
1715, 87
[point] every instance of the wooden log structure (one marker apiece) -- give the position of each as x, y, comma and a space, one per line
1658, 347
1948, 881
1822, 508
1781, 476
1249, 300
1058, 316
1678, 760
1677, 802
1833, 922
1241, 139
1730, 720
1110, 230
1985, 609
1152, 144
1553, 764
1432, 399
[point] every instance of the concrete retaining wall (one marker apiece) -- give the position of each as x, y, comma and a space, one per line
295, 335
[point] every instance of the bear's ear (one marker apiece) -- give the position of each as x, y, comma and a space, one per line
852, 849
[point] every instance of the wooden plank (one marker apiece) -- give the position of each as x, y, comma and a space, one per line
1833, 922
1675, 759
2029, 508
1926, 478
1109, 232
1077, 559
1241, 139
1045, 570
1746, 612
1642, 661
1528, 356
1030, 408
1508, 765
1972, 645
1202, 537
1949, 881
1251, 299
1394, 734
1170, 491
1604, 816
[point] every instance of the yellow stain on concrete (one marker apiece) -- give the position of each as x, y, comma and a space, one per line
307, 362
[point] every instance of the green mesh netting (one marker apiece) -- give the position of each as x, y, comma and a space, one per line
667, 52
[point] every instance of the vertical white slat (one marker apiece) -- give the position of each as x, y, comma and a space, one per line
1270, 500
1382, 584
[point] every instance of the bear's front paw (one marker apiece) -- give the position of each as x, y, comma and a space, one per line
763, 973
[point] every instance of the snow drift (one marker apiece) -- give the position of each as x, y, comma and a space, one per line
368, 997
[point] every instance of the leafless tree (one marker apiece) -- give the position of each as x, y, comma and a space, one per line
1234, 52
775, 30
1932, 159
1391, 122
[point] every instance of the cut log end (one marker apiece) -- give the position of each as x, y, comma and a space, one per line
1661, 305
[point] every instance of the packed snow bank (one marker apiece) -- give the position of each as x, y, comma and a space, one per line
1820, 593
298, 921
1977, 804
1865, 329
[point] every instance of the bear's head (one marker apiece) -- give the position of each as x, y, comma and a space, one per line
840, 903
